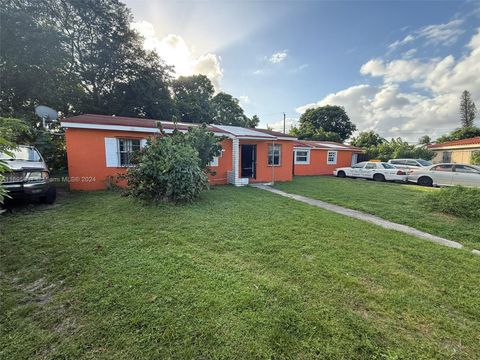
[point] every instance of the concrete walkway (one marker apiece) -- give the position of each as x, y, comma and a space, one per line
365, 217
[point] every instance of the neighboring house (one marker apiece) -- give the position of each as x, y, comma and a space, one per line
99, 148
456, 151
322, 157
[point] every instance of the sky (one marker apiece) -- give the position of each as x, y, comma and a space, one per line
397, 67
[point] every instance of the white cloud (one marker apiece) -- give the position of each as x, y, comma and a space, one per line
430, 106
300, 68
445, 34
278, 57
409, 54
174, 50
438, 34
289, 123
259, 72
244, 99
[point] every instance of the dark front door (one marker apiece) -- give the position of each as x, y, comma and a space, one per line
249, 161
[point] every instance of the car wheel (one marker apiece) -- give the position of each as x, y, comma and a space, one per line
425, 181
341, 174
379, 177
50, 196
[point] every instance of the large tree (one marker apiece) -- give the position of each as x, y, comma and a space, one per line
192, 96
468, 109
33, 60
424, 140
325, 121
253, 121
79, 56
367, 138
460, 133
226, 110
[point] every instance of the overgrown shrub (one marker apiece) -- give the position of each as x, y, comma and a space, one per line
475, 158
50, 143
167, 169
457, 200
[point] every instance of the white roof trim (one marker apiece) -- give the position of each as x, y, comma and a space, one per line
122, 128
286, 138
244, 132
254, 135
109, 127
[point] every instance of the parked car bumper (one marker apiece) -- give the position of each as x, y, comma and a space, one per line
33, 189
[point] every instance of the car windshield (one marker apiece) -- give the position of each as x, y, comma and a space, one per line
387, 166
23, 154
358, 165
424, 162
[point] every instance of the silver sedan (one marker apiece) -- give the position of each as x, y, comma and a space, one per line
446, 174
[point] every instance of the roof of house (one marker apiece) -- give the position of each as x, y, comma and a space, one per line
112, 122
456, 143
325, 145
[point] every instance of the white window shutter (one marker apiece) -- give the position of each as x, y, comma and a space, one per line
111, 152
143, 142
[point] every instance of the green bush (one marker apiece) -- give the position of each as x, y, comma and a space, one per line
167, 169
457, 200
398, 149
476, 158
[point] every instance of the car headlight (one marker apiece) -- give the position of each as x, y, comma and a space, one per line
37, 176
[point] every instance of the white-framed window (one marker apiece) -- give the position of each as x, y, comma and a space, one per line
274, 154
302, 157
126, 149
119, 151
331, 157
214, 161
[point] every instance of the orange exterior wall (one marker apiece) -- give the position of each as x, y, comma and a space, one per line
265, 172
225, 163
318, 163
87, 169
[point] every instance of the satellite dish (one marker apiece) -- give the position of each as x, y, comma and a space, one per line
46, 113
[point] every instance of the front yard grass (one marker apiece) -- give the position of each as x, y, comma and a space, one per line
240, 274
400, 203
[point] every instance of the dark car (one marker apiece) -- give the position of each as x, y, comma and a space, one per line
27, 175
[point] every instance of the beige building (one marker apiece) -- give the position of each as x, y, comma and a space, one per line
457, 151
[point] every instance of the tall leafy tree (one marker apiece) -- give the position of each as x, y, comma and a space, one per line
468, 110
33, 60
192, 97
226, 110
107, 57
324, 122
79, 56
253, 121
425, 140
367, 138
460, 133
146, 94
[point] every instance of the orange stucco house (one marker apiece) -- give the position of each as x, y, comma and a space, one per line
322, 157
99, 148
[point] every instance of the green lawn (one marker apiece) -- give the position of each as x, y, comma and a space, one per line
400, 203
242, 274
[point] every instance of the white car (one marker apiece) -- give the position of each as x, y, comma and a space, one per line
378, 171
446, 174
410, 163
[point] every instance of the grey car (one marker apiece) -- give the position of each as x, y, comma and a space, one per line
27, 175
446, 174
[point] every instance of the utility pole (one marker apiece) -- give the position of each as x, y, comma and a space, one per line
284, 118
